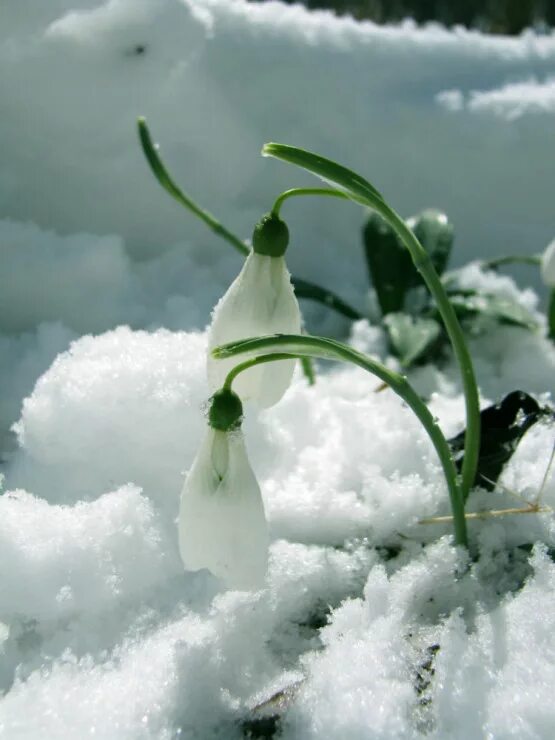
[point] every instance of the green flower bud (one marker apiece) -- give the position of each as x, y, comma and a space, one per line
270, 236
226, 411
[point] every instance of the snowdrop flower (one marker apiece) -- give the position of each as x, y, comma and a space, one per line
548, 265
222, 525
260, 301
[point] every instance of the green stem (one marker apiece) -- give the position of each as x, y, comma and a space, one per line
330, 349
272, 357
361, 191
305, 191
306, 364
303, 288
165, 180
425, 267
511, 259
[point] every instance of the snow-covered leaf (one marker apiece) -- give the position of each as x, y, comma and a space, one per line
410, 336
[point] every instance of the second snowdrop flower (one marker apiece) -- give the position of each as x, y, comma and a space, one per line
222, 526
260, 301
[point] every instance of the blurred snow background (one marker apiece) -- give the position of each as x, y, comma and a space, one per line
100, 631
451, 119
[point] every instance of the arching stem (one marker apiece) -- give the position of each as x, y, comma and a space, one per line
260, 360
424, 265
294, 192
361, 191
267, 349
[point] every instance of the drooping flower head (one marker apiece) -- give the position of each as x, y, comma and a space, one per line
260, 301
222, 525
548, 265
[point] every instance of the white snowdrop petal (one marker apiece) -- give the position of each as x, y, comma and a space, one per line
222, 525
548, 265
260, 301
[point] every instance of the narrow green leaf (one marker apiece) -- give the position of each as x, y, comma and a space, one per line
156, 164
551, 315
435, 233
355, 186
165, 180
390, 265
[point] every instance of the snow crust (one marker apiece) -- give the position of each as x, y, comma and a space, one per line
370, 625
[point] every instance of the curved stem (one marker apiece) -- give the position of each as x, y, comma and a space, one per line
271, 357
425, 267
511, 259
330, 349
163, 177
293, 192
306, 364
361, 191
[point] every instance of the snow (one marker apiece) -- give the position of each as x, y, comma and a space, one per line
370, 625
218, 78
96, 599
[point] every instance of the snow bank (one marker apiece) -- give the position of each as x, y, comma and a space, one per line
97, 613
452, 119
90, 284
409, 667
141, 396
23, 358
58, 561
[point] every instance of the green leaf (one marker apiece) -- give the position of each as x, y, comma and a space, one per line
551, 315
163, 176
389, 263
435, 233
355, 186
410, 336
502, 309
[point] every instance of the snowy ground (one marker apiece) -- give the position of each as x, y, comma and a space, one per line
105, 291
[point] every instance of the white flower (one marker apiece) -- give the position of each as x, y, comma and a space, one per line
222, 525
548, 265
260, 301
